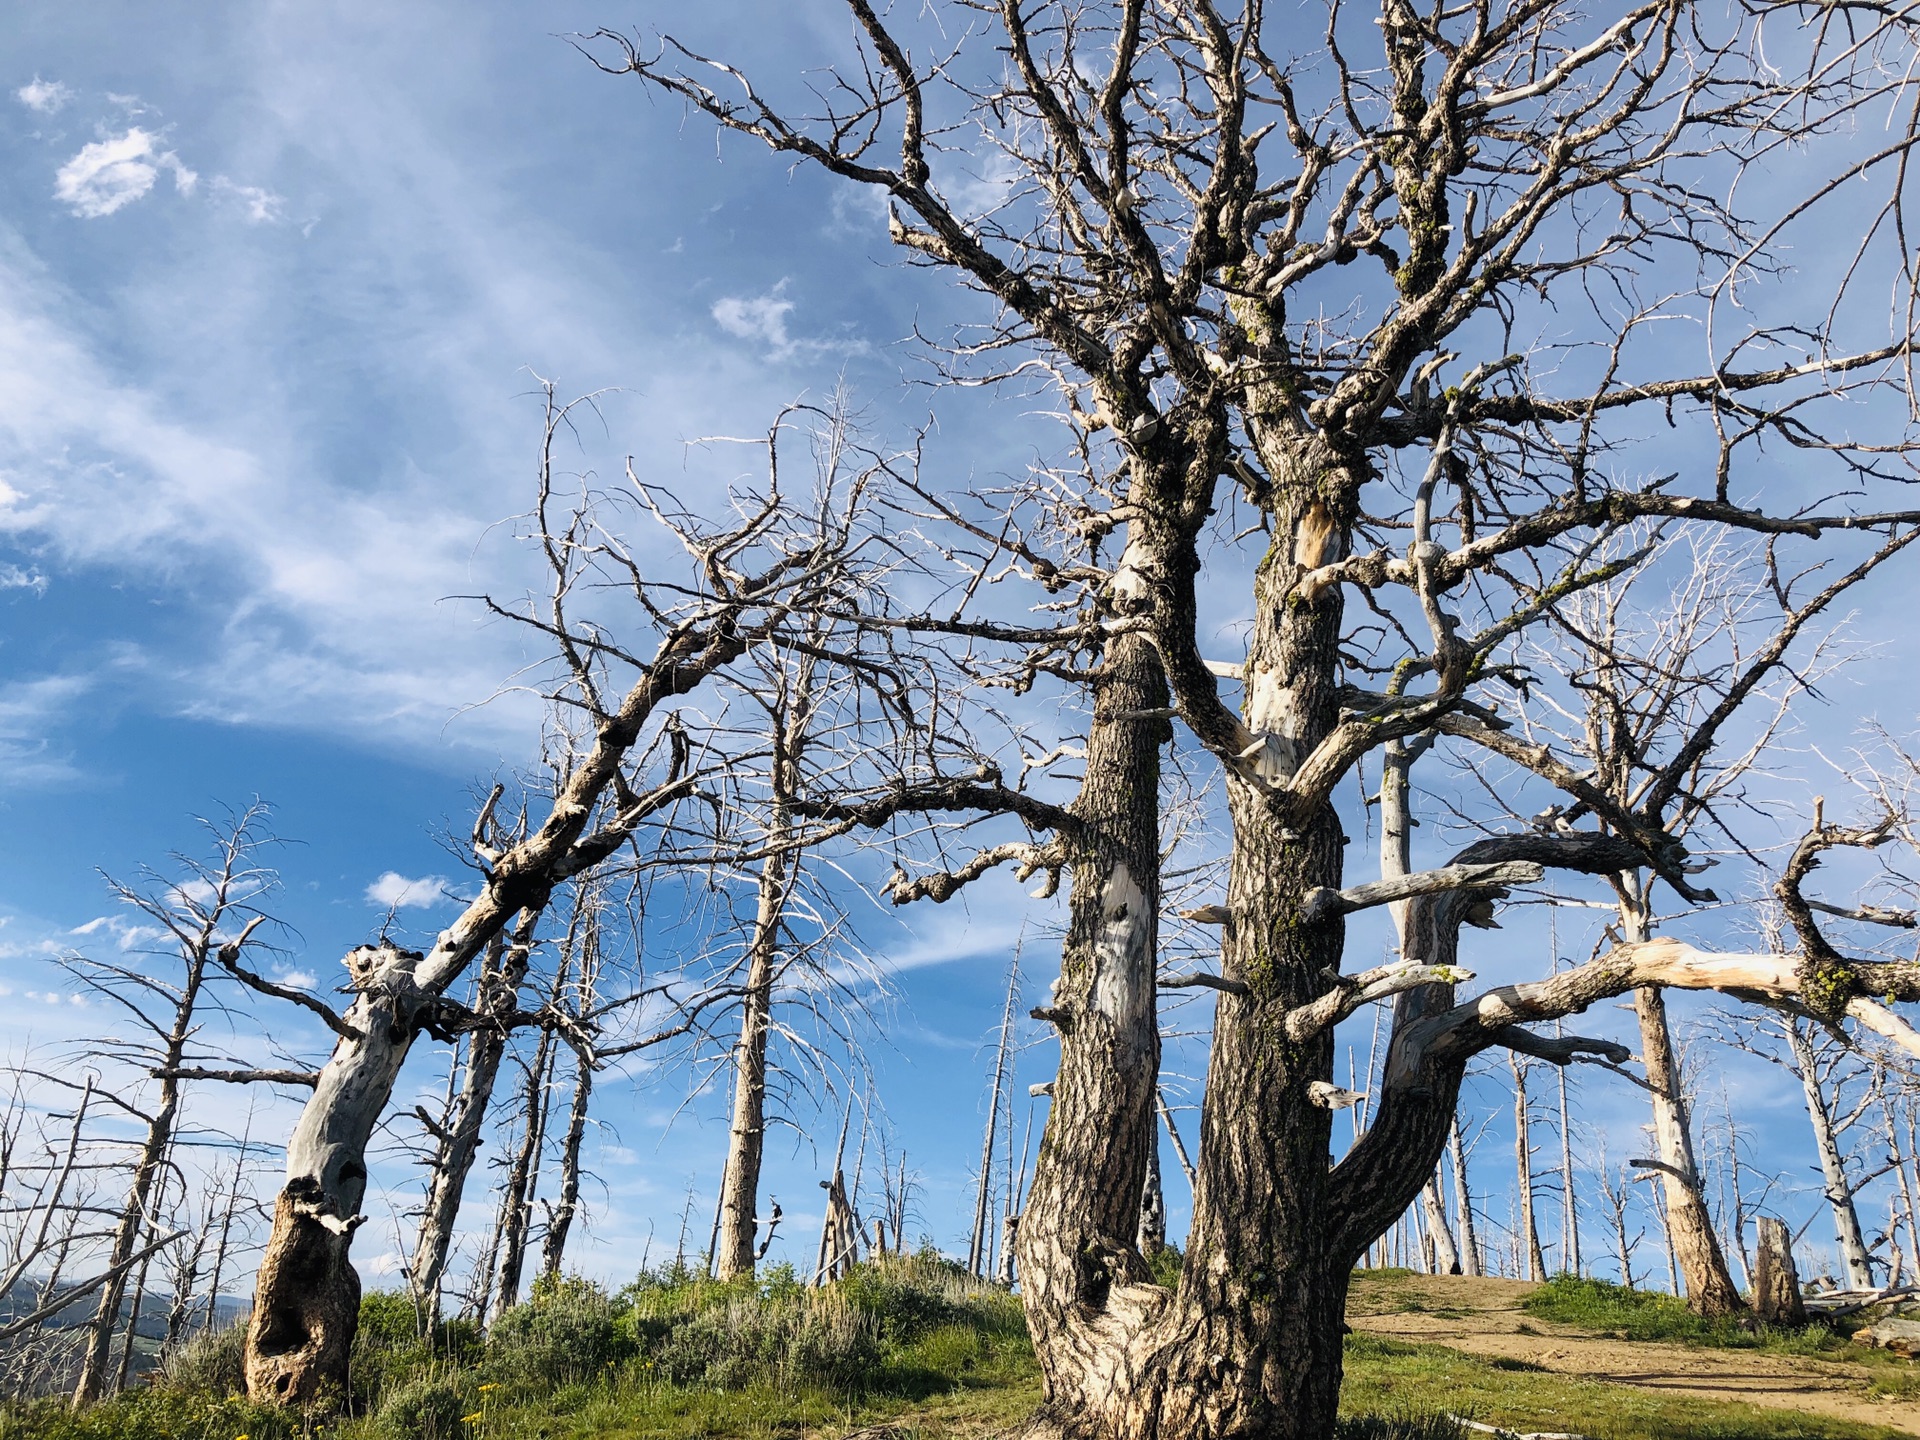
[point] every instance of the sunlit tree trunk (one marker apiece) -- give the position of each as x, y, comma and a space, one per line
1833, 1166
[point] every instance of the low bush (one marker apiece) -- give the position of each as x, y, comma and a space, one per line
570, 1329
212, 1363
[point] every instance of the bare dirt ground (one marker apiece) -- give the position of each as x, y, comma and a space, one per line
1483, 1317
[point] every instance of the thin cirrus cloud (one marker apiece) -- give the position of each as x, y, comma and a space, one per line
394, 891
110, 174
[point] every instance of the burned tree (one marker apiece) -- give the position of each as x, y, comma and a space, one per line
1323, 306
208, 917
746, 579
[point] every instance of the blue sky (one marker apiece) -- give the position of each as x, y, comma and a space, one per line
276, 281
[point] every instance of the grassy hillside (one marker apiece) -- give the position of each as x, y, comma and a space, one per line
911, 1348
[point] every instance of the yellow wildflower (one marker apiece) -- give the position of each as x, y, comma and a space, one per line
490, 1385
476, 1415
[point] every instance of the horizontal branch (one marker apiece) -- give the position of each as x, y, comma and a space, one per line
1324, 904
942, 885
1561, 1049
1829, 988
1363, 989
239, 1077
1869, 914
1204, 978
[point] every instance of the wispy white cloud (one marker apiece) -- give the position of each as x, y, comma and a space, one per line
260, 207
15, 577
31, 714
110, 174
759, 317
394, 891
46, 96
763, 320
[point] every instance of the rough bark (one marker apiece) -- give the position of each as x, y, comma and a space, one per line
1152, 1236
307, 1296
1838, 1189
1776, 1283
1080, 1275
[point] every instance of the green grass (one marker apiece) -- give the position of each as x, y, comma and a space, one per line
912, 1344
1614, 1310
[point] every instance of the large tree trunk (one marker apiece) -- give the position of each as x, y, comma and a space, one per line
1691, 1239
1250, 1344
1833, 1166
459, 1141
307, 1297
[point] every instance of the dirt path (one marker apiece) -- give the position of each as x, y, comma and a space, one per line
1483, 1317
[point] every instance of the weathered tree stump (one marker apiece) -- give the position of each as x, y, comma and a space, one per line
1776, 1284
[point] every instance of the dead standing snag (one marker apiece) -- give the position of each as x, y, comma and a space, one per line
1388, 298
749, 579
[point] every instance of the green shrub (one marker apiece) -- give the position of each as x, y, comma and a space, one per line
428, 1407
818, 1339
568, 1330
1165, 1264
389, 1320
211, 1363
147, 1414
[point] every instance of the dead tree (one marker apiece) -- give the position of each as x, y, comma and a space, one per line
748, 577
457, 1135
1527, 1239
1305, 290
208, 916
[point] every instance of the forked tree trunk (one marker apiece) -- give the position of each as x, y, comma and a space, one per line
1691, 1240
1833, 1165
1250, 1344
307, 1296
